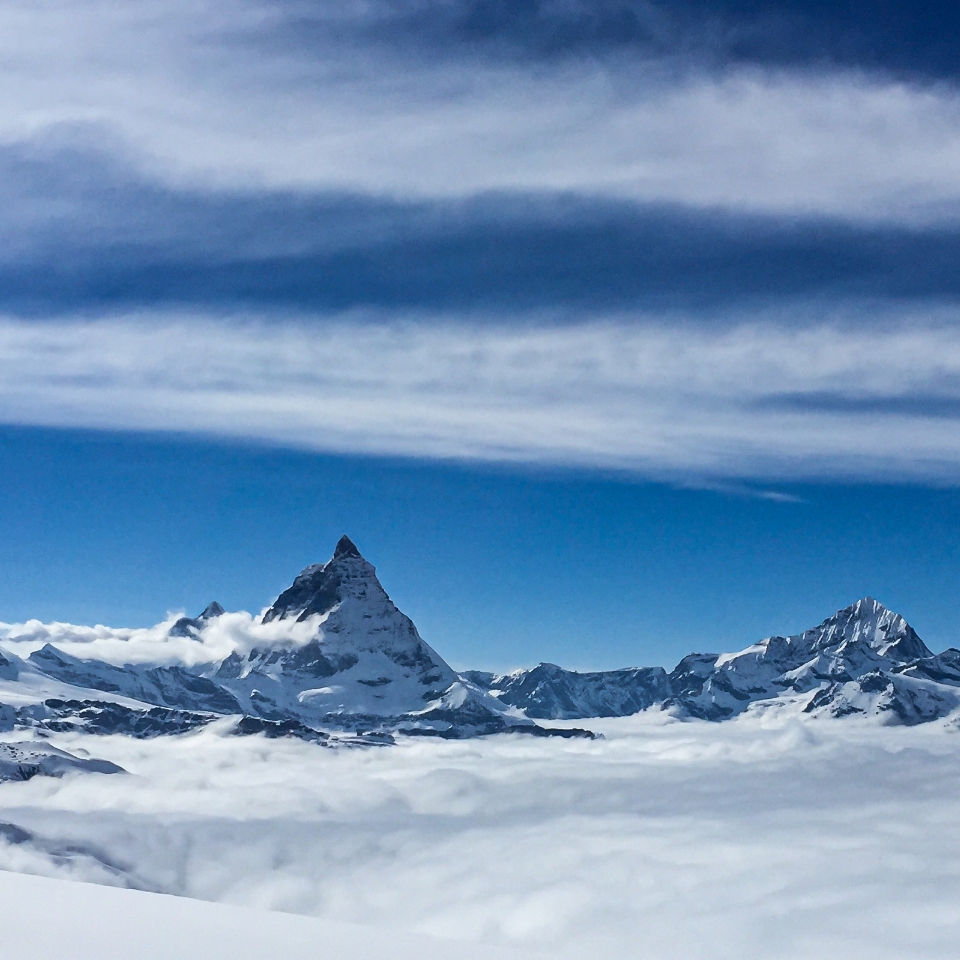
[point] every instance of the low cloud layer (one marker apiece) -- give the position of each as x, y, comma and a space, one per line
735, 841
230, 633
751, 400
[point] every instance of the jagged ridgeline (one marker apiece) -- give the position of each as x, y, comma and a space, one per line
334, 661
864, 660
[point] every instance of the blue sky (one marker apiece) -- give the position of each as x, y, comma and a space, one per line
500, 567
663, 293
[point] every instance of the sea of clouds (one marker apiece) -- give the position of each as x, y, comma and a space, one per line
765, 836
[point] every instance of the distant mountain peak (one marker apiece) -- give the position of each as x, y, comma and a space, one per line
189, 626
869, 621
346, 548
212, 611
321, 586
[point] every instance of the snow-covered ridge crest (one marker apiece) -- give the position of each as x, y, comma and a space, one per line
866, 622
334, 652
864, 660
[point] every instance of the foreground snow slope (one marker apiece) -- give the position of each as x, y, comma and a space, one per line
50, 919
764, 836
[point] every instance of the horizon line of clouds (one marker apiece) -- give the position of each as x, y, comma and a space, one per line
752, 401
224, 97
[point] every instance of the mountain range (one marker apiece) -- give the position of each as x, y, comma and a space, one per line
334, 660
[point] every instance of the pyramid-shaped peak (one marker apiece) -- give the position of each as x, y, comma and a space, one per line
212, 611
869, 621
346, 548
321, 586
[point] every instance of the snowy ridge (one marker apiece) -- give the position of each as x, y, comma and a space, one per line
548, 692
333, 653
334, 657
865, 660
24, 761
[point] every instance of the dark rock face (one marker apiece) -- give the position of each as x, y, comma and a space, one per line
104, 717
318, 589
191, 626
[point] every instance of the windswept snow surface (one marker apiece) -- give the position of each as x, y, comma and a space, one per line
56, 920
769, 835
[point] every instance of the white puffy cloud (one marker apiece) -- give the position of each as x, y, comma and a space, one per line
230, 633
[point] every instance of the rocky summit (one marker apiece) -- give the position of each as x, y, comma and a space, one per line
333, 660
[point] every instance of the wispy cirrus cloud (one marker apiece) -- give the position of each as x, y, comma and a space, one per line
752, 400
245, 94
675, 239
82, 231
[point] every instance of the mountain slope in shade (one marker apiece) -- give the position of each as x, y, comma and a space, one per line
548, 692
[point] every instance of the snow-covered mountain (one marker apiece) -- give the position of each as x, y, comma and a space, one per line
865, 659
548, 692
333, 653
333, 660
24, 761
